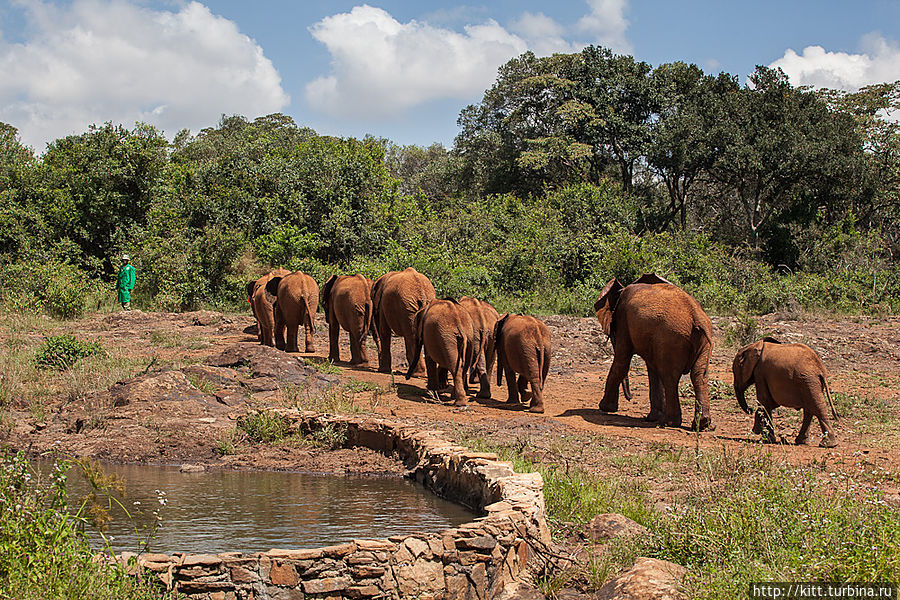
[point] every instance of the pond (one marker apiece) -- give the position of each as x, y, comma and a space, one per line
254, 511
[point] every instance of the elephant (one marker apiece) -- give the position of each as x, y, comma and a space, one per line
666, 327
296, 300
444, 329
484, 316
790, 375
347, 301
523, 347
261, 305
397, 296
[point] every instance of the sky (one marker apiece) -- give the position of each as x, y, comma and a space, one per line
398, 69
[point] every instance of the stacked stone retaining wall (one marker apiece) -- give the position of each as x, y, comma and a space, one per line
473, 561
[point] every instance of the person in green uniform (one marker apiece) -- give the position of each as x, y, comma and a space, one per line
126, 283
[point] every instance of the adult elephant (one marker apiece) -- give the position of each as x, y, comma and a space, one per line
397, 297
484, 317
444, 330
523, 348
789, 375
296, 301
666, 327
261, 305
347, 302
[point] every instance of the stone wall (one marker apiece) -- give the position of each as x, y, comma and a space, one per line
473, 561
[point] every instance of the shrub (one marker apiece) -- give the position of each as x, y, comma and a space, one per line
62, 351
44, 552
264, 426
53, 286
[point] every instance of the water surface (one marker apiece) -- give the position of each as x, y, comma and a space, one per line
254, 511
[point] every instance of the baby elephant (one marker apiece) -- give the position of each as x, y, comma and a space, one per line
789, 375
523, 347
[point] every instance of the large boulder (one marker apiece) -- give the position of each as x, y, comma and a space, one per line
270, 364
648, 579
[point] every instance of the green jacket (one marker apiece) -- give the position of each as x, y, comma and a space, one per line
126, 283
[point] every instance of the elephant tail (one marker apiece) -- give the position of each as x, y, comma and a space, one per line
306, 316
828, 395
544, 363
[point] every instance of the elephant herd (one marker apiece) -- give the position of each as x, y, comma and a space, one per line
461, 339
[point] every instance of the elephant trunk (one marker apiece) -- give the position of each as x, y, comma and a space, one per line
739, 390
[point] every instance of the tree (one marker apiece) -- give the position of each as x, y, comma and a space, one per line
682, 148
781, 149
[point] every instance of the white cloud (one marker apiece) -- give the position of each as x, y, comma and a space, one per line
109, 60
543, 34
381, 67
878, 62
607, 24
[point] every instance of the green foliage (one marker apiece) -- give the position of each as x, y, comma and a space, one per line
52, 286
44, 552
761, 522
62, 351
264, 426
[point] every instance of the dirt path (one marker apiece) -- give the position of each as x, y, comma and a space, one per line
862, 355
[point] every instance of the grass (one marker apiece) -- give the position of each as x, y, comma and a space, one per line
334, 400
264, 426
44, 552
201, 383
322, 366
173, 339
735, 518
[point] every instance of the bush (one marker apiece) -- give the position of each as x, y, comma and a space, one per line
264, 426
52, 286
44, 552
62, 351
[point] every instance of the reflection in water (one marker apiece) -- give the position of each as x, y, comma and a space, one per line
254, 511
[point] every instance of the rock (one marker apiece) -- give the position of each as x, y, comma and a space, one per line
186, 468
612, 525
648, 579
324, 586
267, 362
520, 591
163, 386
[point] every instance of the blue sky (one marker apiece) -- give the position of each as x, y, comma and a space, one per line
395, 69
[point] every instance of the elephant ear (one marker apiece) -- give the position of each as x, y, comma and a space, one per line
771, 340
326, 293
651, 278
250, 289
605, 306
747, 360
377, 291
272, 288
419, 339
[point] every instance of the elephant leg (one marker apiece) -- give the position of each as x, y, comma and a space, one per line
657, 398
617, 373
384, 347
803, 434
512, 387
765, 414
700, 381
310, 340
672, 403
410, 342
478, 371
279, 330
522, 387
431, 370
357, 349
459, 385
484, 390
334, 333
293, 330
829, 439
443, 378
537, 394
